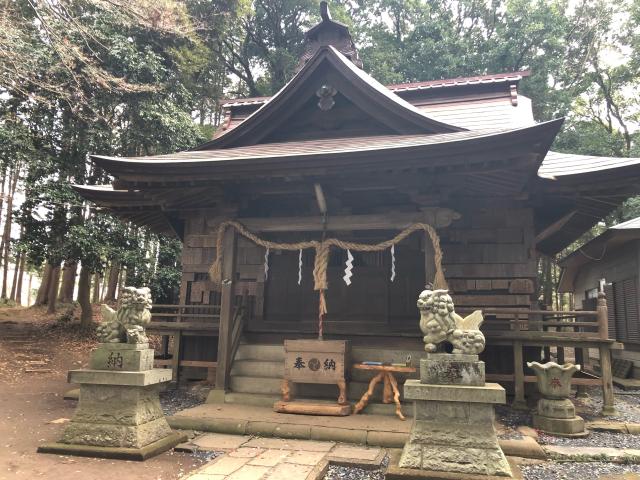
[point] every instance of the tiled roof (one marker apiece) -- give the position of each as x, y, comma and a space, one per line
401, 87
558, 164
461, 81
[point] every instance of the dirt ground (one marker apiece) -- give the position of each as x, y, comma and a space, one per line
36, 351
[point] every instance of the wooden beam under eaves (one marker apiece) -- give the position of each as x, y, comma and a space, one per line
554, 227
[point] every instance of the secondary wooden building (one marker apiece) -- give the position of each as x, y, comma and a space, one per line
611, 261
335, 154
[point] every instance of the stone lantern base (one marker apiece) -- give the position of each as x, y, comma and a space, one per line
119, 413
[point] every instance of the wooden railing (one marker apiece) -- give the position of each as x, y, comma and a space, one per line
525, 323
185, 317
183, 320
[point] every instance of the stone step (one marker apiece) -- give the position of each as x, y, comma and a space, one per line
272, 386
269, 353
258, 368
255, 399
274, 353
265, 386
261, 400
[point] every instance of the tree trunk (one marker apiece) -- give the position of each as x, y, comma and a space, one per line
6, 236
53, 289
96, 288
122, 281
43, 291
23, 259
112, 284
29, 289
14, 283
68, 281
84, 292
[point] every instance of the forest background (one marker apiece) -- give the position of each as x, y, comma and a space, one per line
142, 77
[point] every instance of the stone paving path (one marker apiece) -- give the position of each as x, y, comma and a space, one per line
248, 458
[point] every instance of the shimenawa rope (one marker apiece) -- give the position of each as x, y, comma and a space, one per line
323, 249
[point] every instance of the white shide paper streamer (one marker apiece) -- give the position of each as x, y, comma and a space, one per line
393, 262
349, 267
266, 263
300, 267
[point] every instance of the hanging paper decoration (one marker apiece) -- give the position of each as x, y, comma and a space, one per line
300, 267
266, 263
393, 262
348, 269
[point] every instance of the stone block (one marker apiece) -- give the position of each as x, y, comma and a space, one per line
118, 453
339, 434
305, 458
289, 471
115, 435
560, 426
448, 369
282, 444
378, 438
357, 453
119, 405
248, 472
491, 393
106, 377
270, 458
525, 447
220, 441
122, 357
246, 452
224, 465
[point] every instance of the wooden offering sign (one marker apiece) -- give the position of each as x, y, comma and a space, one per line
315, 361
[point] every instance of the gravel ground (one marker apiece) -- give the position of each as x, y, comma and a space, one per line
627, 405
595, 439
173, 401
572, 471
349, 473
510, 420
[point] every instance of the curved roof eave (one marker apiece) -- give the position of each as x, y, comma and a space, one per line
377, 93
306, 152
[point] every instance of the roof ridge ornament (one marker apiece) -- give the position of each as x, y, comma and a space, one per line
325, 14
329, 33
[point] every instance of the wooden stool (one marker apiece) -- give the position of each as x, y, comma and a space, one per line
390, 391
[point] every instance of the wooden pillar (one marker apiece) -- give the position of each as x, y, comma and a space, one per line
226, 311
581, 390
519, 402
603, 316
560, 355
608, 407
175, 358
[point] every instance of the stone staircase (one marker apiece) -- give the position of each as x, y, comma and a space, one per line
257, 371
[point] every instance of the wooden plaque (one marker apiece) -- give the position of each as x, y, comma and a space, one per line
315, 361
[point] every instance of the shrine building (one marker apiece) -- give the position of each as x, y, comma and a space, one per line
337, 155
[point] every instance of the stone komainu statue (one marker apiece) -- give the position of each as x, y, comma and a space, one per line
440, 323
126, 325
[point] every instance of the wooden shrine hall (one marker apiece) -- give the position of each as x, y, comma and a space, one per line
336, 155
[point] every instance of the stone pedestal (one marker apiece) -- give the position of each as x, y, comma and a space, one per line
119, 413
452, 369
453, 419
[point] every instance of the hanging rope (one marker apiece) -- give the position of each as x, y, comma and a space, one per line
323, 249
